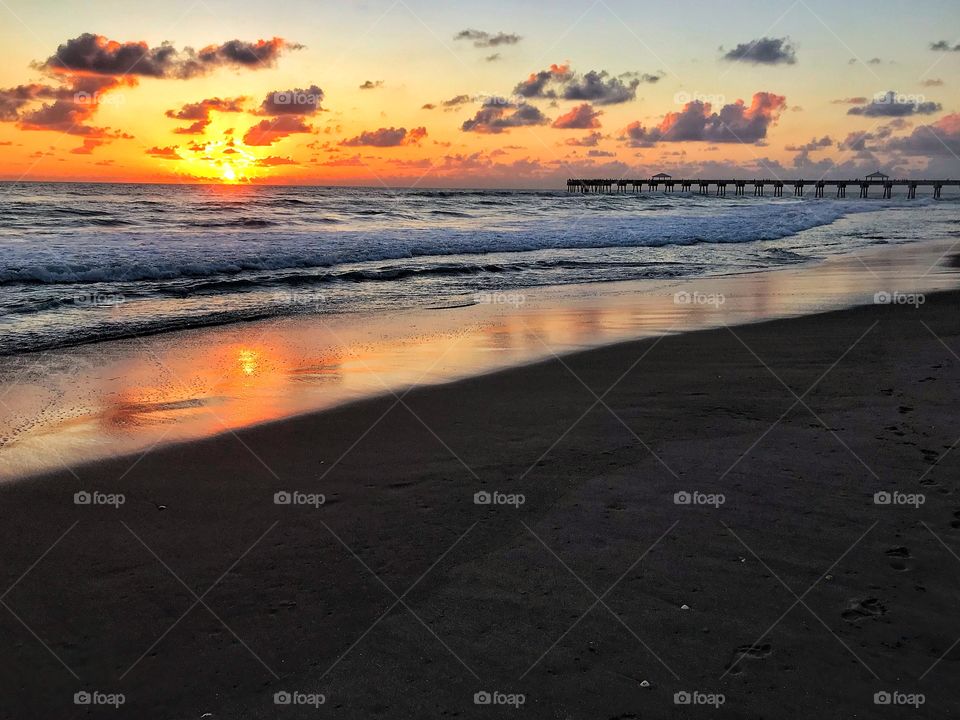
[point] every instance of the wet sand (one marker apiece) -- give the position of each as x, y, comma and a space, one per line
597, 597
61, 408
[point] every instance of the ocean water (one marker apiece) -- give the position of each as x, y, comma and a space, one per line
81, 263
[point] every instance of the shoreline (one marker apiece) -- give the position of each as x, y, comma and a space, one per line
698, 411
126, 396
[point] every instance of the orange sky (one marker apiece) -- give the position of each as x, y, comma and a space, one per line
373, 93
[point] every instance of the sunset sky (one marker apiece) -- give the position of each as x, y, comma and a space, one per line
512, 93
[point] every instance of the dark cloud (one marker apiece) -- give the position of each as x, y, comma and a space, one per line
267, 132
890, 104
941, 139
536, 84
428, 106
299, 101
600, 88
200, 111
496, 117
559, 81
944, 46
814, 144
590, 140
482, 39
166, 153
850, 101
98, 55
582, 117
372, 85
600, 153
492, 58
696, 122
932, 82
456, 101
765, 51
387, 137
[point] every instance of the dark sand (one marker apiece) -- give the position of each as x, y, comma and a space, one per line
287, 591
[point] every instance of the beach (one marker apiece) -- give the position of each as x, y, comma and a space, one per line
693, 513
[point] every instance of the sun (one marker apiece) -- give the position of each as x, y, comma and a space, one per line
228, 174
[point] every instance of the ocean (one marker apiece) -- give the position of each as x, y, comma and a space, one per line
81, 263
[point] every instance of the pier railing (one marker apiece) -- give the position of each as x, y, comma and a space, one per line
758, 187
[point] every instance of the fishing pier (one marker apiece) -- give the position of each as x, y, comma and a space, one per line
759, 187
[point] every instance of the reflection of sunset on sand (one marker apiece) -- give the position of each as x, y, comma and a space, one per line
127, 396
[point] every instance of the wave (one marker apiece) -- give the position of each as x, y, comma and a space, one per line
207, 254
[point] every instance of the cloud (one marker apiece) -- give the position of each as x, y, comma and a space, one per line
940, 139
599, 87
590, 140
582, 117
944, 46
536, 84
890, 104
299, 101
387, 137
482, 39
814, 144
88, 146
88, 69
428, 106
273, 161
932, 82
200, 111
849, 101
496, 117
765, 51
166, 153
267, 132
736, 122
492, 58
372, 85
456, 101
97, 55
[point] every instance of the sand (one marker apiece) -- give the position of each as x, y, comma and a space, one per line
597, 597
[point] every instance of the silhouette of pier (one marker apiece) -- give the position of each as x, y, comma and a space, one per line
759, 187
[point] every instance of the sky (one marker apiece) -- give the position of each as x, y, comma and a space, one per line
506, 93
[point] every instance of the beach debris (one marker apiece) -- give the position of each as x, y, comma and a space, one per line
684, 607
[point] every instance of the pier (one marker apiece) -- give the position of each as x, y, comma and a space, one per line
759, 188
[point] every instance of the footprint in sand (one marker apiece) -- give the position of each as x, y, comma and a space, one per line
747, 652
955, 523
863, 609
898, 558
